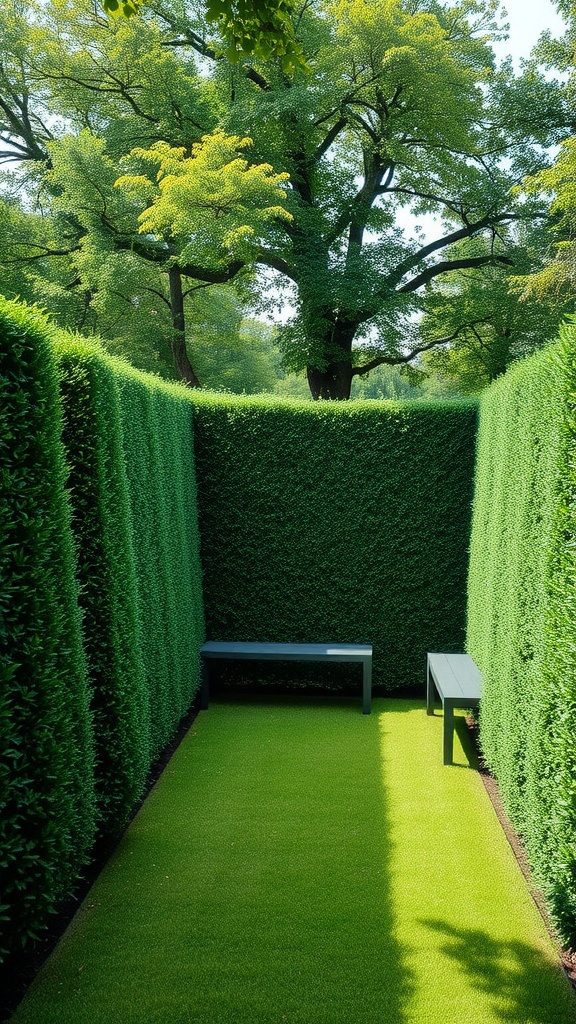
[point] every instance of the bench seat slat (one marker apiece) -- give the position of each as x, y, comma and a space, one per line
302, 652
238, 650
458, 682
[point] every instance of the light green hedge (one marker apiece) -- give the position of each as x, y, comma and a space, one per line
342, 522
522, 608
46, 757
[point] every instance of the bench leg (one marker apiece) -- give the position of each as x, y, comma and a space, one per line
429, 690
366, 687
204, 685
448, 734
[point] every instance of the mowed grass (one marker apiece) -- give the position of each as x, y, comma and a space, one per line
299, 862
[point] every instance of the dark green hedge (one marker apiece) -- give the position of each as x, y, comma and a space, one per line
522, 608
129, 444
101, 613
157, 430
46, 758
108, 596
337, 522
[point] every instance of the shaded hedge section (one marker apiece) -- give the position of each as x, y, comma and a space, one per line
101, 521
522, 609
340, 523
157, 428
47, 821
101, 615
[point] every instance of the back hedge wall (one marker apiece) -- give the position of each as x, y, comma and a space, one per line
337, 523
522, 608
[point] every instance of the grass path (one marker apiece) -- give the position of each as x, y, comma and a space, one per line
299, 863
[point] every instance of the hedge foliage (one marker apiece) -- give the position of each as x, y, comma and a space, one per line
101, 613
157, 429
46, 756
129, 443
337, 523
522, 608
101, 524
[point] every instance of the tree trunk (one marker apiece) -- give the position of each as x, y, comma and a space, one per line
335, 382
181, 361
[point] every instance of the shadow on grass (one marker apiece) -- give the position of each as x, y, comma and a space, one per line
522, 983
461, 731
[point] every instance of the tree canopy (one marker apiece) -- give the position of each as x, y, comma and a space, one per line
321, 177
263, 28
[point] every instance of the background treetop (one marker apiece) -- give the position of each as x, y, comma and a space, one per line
403, 119
260, 28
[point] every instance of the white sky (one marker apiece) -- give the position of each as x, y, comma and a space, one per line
527, 19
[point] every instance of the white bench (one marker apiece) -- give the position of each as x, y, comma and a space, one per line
458, 682
246, 651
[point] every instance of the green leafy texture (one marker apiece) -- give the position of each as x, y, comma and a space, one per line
126, 8
337, 523
46, 756
261, 28
487, 327
108, 597
403, 112
213, 204
557, 182
157, 431
521, 608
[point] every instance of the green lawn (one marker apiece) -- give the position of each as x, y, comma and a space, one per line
299, 862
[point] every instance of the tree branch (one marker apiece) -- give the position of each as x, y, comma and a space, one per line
446, 265
366, 195
159, 252
324, 146
359, 371
191, 38
270, 259
441, 243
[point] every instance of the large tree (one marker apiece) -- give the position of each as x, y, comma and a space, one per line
480, 311
401, 111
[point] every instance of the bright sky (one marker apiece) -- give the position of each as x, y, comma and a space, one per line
527, 19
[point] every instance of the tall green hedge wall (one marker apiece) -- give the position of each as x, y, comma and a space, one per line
337, 522
101, 522
522, 608
157, 429
129, 445
46, 755
101, 613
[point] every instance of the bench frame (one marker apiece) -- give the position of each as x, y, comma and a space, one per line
245, 651
459, 685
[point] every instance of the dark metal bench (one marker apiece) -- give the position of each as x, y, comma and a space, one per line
458, 682
241, 651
